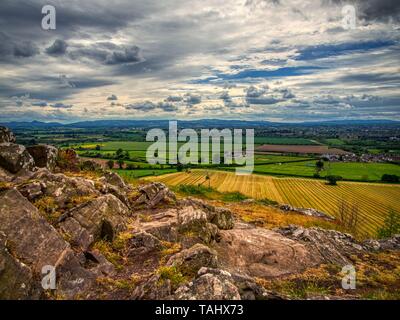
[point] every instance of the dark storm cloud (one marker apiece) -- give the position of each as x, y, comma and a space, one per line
147, 106
192, 99
39, 104
174, 99
10, 48
58, 48
60, 105
108, 54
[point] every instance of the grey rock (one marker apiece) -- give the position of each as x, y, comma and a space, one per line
45, 156
15, 157
191, 260
6, 135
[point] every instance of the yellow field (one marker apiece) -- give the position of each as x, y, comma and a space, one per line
373, 200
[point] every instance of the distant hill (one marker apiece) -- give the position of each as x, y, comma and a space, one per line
204, 123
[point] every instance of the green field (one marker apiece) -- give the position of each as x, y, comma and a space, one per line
349, 171
264, 163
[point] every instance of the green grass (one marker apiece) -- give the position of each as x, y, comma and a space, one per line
135, 174
334, 142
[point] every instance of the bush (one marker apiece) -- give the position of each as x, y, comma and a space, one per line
233, 197
332, 180
390, 178
110, 164
194, 190
268, 202
391, 225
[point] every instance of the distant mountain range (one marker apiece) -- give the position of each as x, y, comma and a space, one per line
204, 123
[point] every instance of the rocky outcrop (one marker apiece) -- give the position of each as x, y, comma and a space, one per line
6, 135
16, 279
333, 246
192, 221
218, 284
209, 286
191, 260
63, 188
45, 156
142, 243
36, 244
32, 190
154, 193
14, 158
392, 243
306, 212
103, 218
221, 217
262, 253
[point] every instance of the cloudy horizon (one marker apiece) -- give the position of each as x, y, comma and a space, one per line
272, 60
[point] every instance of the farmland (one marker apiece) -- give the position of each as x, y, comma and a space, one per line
373, 200
349, 170
320, 149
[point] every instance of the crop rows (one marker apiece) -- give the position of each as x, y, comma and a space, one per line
373, 200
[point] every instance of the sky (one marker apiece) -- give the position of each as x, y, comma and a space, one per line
272, 60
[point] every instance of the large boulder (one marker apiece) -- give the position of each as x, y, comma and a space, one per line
45, 156
209, 286
77, 236
333, 246
103, 217
218, 284
6, 135
194, 222
31, 238
15, 157
263, 253
191, 260
16, 279
221, 217
37, 244
143, 242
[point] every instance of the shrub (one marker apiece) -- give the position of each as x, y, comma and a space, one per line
233, 197
391, 225
332, 180
268, 202
171, 273
110, 164
194, 190
390, 178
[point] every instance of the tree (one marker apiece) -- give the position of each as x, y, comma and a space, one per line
121, 163
110, 164
98, 147
119, 153
390, 178
179, 167
391, 225
319, 165
332, 180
